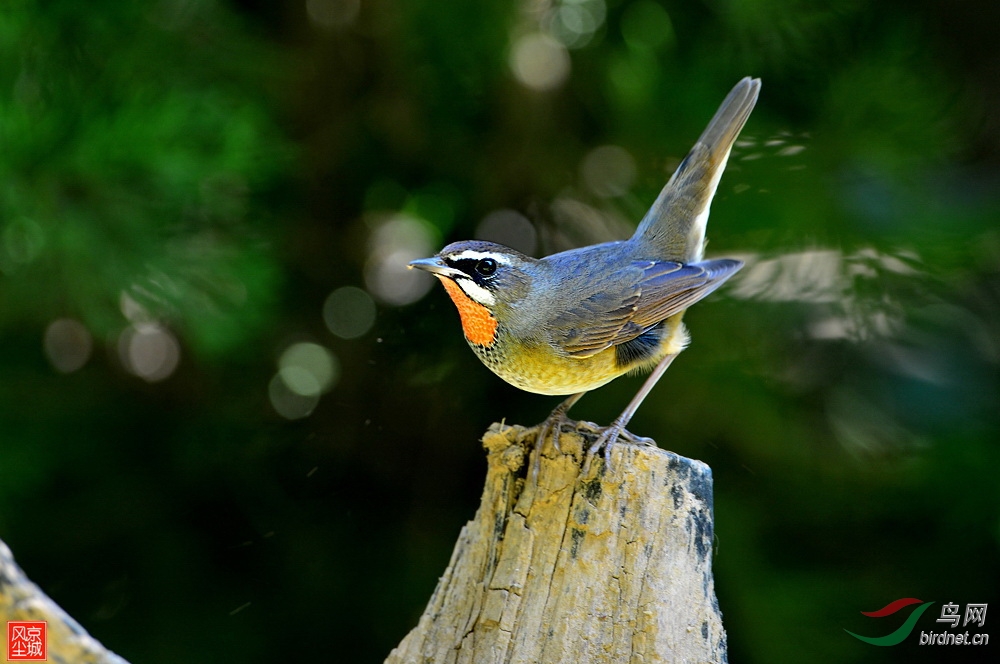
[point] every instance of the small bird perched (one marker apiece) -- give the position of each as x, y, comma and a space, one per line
573, 321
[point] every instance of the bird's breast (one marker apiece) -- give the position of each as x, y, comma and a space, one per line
539, 369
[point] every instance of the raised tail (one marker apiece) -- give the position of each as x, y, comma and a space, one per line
675, 226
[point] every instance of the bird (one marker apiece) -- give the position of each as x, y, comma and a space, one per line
575, 320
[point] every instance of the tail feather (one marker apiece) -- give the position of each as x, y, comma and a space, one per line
675, 224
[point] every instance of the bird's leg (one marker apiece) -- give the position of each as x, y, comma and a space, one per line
610, 435
553, 423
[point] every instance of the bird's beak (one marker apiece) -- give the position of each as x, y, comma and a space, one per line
436, 267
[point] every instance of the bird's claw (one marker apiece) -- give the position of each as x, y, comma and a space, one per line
629, 437
552, 426
608, 436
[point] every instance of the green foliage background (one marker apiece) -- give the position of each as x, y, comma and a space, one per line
222, 165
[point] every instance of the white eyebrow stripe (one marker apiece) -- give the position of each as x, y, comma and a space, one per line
476, 292
471, 254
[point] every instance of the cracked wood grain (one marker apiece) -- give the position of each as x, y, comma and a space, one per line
611, 567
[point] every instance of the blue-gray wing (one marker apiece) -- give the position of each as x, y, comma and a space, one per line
617, 314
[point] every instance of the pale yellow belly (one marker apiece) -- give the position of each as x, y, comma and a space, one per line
541, 370
547, 373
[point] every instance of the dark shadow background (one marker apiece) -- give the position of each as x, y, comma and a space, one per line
209, 452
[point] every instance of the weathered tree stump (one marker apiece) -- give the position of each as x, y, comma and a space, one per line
20, 599
612, 567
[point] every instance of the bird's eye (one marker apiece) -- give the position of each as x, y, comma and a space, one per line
486, 267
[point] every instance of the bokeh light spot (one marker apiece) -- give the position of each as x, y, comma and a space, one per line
300, 380
132, 310
436, 204
539, 62
646, 25
510, 229
68, 344
308, 369
149, 351
395, 243
633, 76
20, 243
349, 312
791, 150
289, 404
807, 276
574, 22
608, 171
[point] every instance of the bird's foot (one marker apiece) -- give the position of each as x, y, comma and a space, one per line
608, 436
624, 435
552, 426
631, 438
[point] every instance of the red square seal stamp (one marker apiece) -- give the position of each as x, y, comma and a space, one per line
26, 641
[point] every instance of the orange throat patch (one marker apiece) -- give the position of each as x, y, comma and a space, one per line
479, 325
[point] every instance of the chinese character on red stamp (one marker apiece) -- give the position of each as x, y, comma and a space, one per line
26, 641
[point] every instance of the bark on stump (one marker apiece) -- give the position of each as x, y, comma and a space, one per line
20, 599
612, 567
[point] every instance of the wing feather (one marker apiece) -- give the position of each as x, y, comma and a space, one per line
616, 315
